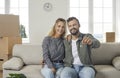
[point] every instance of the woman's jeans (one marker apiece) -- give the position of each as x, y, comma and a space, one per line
78, 72
47, 72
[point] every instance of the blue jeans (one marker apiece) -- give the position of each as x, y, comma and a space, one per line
78, 72
68, 72
84, 72
47, 73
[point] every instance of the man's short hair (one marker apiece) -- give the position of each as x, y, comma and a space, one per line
73, 18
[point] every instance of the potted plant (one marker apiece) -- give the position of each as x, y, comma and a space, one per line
15, 75
22, 31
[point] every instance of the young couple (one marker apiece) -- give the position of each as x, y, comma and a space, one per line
68, 57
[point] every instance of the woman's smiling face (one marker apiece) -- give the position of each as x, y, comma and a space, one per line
60, 28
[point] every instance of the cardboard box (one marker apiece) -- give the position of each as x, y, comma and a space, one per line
9, 32
7, 43
9, 25
5, 57
110, 36
1, 62
9, 35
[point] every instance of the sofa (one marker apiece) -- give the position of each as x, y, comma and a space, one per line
26, 60
106, 60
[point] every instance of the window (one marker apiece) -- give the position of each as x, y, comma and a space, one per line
17, 7
103, 16
96, 16
79, 9
2, 4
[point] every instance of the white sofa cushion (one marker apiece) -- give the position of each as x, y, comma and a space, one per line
14, 63
32, 71
31, 54
116, 62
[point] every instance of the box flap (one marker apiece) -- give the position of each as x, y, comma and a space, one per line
9, 25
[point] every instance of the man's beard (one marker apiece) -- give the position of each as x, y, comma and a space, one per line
74, 33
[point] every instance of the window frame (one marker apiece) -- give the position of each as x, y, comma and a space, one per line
91, 21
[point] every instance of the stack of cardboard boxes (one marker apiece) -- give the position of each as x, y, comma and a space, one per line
9, 35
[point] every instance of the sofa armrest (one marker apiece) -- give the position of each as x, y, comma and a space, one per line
15, 63
116, 62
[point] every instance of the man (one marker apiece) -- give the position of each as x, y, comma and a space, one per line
78, 47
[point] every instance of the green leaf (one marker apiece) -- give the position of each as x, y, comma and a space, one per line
15, 75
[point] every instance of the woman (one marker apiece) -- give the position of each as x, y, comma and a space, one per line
53, 50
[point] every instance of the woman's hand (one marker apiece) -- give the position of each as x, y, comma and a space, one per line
53, 70
42, 63
68, 37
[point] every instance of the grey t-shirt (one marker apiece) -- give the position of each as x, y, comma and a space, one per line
53, 50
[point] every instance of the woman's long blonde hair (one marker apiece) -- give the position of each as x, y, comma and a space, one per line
52, 32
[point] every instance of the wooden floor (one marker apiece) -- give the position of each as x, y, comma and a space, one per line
0, 74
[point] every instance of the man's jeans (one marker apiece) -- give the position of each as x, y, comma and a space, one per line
78, 72
47, 73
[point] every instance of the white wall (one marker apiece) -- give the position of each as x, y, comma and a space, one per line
41, 21
118, 17
118, 11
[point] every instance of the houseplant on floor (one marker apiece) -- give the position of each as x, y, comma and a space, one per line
15, 75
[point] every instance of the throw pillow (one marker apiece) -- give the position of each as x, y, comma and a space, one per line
116, 62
